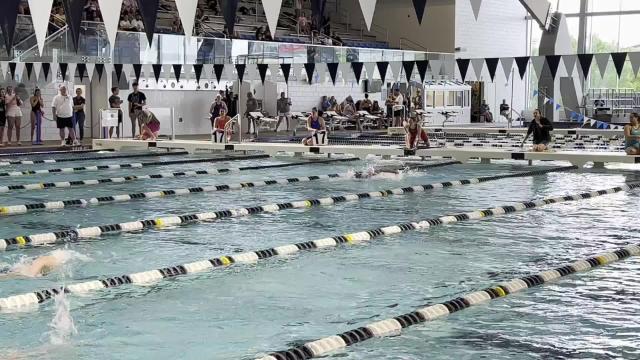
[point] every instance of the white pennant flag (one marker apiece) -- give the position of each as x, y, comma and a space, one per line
19, 70
37, 67
166, 71
538, 64
396, 69
252, 72
546, 100
478, 65
507, 66
147, 70
188, 69
323, 73
475, 6
347, 73
187, 11
228, 73
108, 73
370, 67
296, 72
634, 58
272, 12
127, 71
436, 68
54, 72
110, 10
570, 63
71, 72
602, 60
207, 72
91, 68
40, 13
368, 9
274, 69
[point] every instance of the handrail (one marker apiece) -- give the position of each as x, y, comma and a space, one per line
229, 125
214, 30
50, 38
412, 43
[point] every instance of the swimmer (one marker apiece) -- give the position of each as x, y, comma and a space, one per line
40, 266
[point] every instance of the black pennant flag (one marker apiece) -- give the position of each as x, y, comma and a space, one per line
46, 68
523, 63
422, 66
73, 11
12, 69
149, 11
408, 68
619, 59
63, 70
229, 9
157, 70
29, 67
357, 70
240, 68
382, 69
333, 71
8, 19
554, 62
585, 61
310, 68
118, 69
99, 69
492, 66
137, 69
286, 71
177, 71
463, 67
82, 71
420, 5
262, 69
217, 70
197, 68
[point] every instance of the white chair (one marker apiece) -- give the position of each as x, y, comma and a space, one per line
262, 122
297, 116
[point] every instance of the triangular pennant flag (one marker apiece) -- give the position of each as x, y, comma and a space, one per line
187, 12
99, 70
585, 61
492, 66
157, 70
90, 69
240, 68
29, 67
538, 64
507, 66
634, 58
218, 69
37, 67
522, 62
558, 106
357, 70
110, 10
272, 13
82, 71
187, 69
12, 70
419, 6
54, 71
252, 72
368, 8
463, 67
619, 59
478, 65
275, 72
346, 71
309, 68
207, 71
20, 70
423, 66
286, 70
333, 71
396, 69
603, 61
71, 70
8, 19
262, 70
40, 13
382, 69
436, 67
321, 70
46, 69
229, 10
197, 69
554, 62
63, 70
177, 71
118, 69
546, 100
137, 70
408, 68
570, 63
149, 11
73, 12
370, 68
475, 6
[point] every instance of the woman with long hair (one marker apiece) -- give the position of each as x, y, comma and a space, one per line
37, 105
14, 114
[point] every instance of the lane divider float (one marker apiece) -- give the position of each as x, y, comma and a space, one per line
53, 161
394, 326
31, 299
186, 219
103, 200
127, 166
55, 152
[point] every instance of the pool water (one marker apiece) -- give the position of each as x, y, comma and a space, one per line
246, 311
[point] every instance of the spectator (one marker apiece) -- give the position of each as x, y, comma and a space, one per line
3, 116
14, 114
485, 112
176, 25
366, 104
283, 106
334, 103
375, 108
337, 40
325, 104
62, 106
417, 100
136, 101
216, 108
114, 103
78, 113
348, 107
37, 106
398, 107
252, 106
303, 24
138, 25
260, 33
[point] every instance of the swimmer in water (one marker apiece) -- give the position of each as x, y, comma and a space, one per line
40, 266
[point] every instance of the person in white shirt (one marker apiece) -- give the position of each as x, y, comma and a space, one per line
62, 106
398, 109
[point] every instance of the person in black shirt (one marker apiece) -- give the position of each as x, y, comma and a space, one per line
3, 116
540, 128
114, 103
136, 101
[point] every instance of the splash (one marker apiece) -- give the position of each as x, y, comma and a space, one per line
62, 325
61, 260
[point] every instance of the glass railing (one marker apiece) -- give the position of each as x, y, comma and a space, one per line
132, 48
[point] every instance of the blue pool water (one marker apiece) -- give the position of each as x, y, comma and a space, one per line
245, 311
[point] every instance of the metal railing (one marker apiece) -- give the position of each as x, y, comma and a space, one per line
405, 41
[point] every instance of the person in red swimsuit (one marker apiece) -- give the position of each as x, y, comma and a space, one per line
415, 133
220, 124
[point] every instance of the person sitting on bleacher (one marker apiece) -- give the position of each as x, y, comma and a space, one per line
365, 105
415, 133
541, 129
220, 124
315, 124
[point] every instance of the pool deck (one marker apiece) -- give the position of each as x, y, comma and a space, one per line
577, 158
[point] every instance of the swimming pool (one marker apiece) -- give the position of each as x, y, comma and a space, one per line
249, 310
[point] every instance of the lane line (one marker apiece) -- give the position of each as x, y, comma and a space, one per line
53, 161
